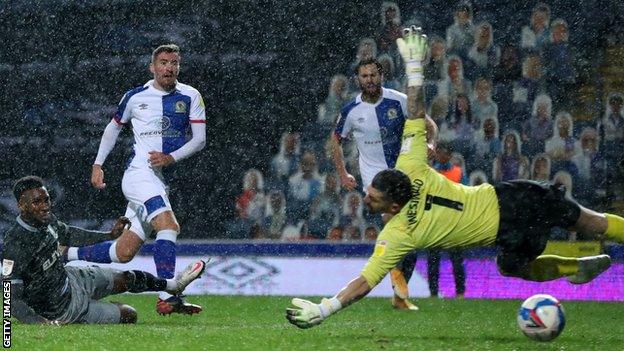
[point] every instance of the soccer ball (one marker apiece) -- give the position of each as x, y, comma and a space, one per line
541, 317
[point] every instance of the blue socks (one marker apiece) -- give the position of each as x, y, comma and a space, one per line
164, 258
96, 253
165, 255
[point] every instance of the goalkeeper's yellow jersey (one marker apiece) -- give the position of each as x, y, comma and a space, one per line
441, 214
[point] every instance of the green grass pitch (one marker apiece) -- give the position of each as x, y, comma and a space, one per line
258, 323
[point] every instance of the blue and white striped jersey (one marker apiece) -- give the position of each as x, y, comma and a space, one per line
377, 130
160, 120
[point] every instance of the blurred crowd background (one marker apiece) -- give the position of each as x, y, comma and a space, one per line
519, 90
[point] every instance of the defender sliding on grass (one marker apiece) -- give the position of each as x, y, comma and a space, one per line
430, 211
46, 292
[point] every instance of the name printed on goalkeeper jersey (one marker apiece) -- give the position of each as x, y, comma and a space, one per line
412, 209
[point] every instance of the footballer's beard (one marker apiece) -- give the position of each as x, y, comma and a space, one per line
371, 209
168, 82
371, 92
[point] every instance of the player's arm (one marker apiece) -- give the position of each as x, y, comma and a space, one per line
413, 48
109, 138
107, 143
307, 314
20, 310
76, 236
413, 155
347, 180
14, 259
432, 136
392, 245
197, 143
197, 120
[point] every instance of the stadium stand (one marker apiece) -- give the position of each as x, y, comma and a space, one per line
66, 65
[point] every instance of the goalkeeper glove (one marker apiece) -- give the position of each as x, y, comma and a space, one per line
308, 314
413, 48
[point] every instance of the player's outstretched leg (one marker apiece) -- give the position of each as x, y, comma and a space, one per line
582, 270
577, 270
599, 226
175, 303
615, 228
135, 281
121, 250
186, 276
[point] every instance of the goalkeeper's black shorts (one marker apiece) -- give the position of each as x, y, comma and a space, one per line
528, 212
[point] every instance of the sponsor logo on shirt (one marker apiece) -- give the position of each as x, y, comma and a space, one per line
161, 129
361, 120
53, 232
406, 145
384, 132
412, 205
7, 267
164, 123
143, 107
180, 107
380, 248
50, 261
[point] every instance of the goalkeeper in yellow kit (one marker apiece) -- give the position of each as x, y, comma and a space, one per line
430, 211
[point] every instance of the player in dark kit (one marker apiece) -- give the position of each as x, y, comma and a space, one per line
45, 291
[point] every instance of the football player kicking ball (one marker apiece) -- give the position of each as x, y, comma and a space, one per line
431, 211
44, 291
160, 112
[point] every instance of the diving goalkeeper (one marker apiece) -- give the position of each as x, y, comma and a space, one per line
430, 211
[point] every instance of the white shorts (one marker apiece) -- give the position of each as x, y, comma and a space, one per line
146, 193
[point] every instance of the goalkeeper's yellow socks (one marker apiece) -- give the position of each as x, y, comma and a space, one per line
550, 267
615, 228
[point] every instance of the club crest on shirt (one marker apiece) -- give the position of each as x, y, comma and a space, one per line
180, 107
7, 267
392, 113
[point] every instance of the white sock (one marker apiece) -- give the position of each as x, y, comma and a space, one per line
163, 295
171, 285
167, 234
112, 252
72, 254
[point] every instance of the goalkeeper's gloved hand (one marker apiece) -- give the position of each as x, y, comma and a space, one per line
413, 49
308, 314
